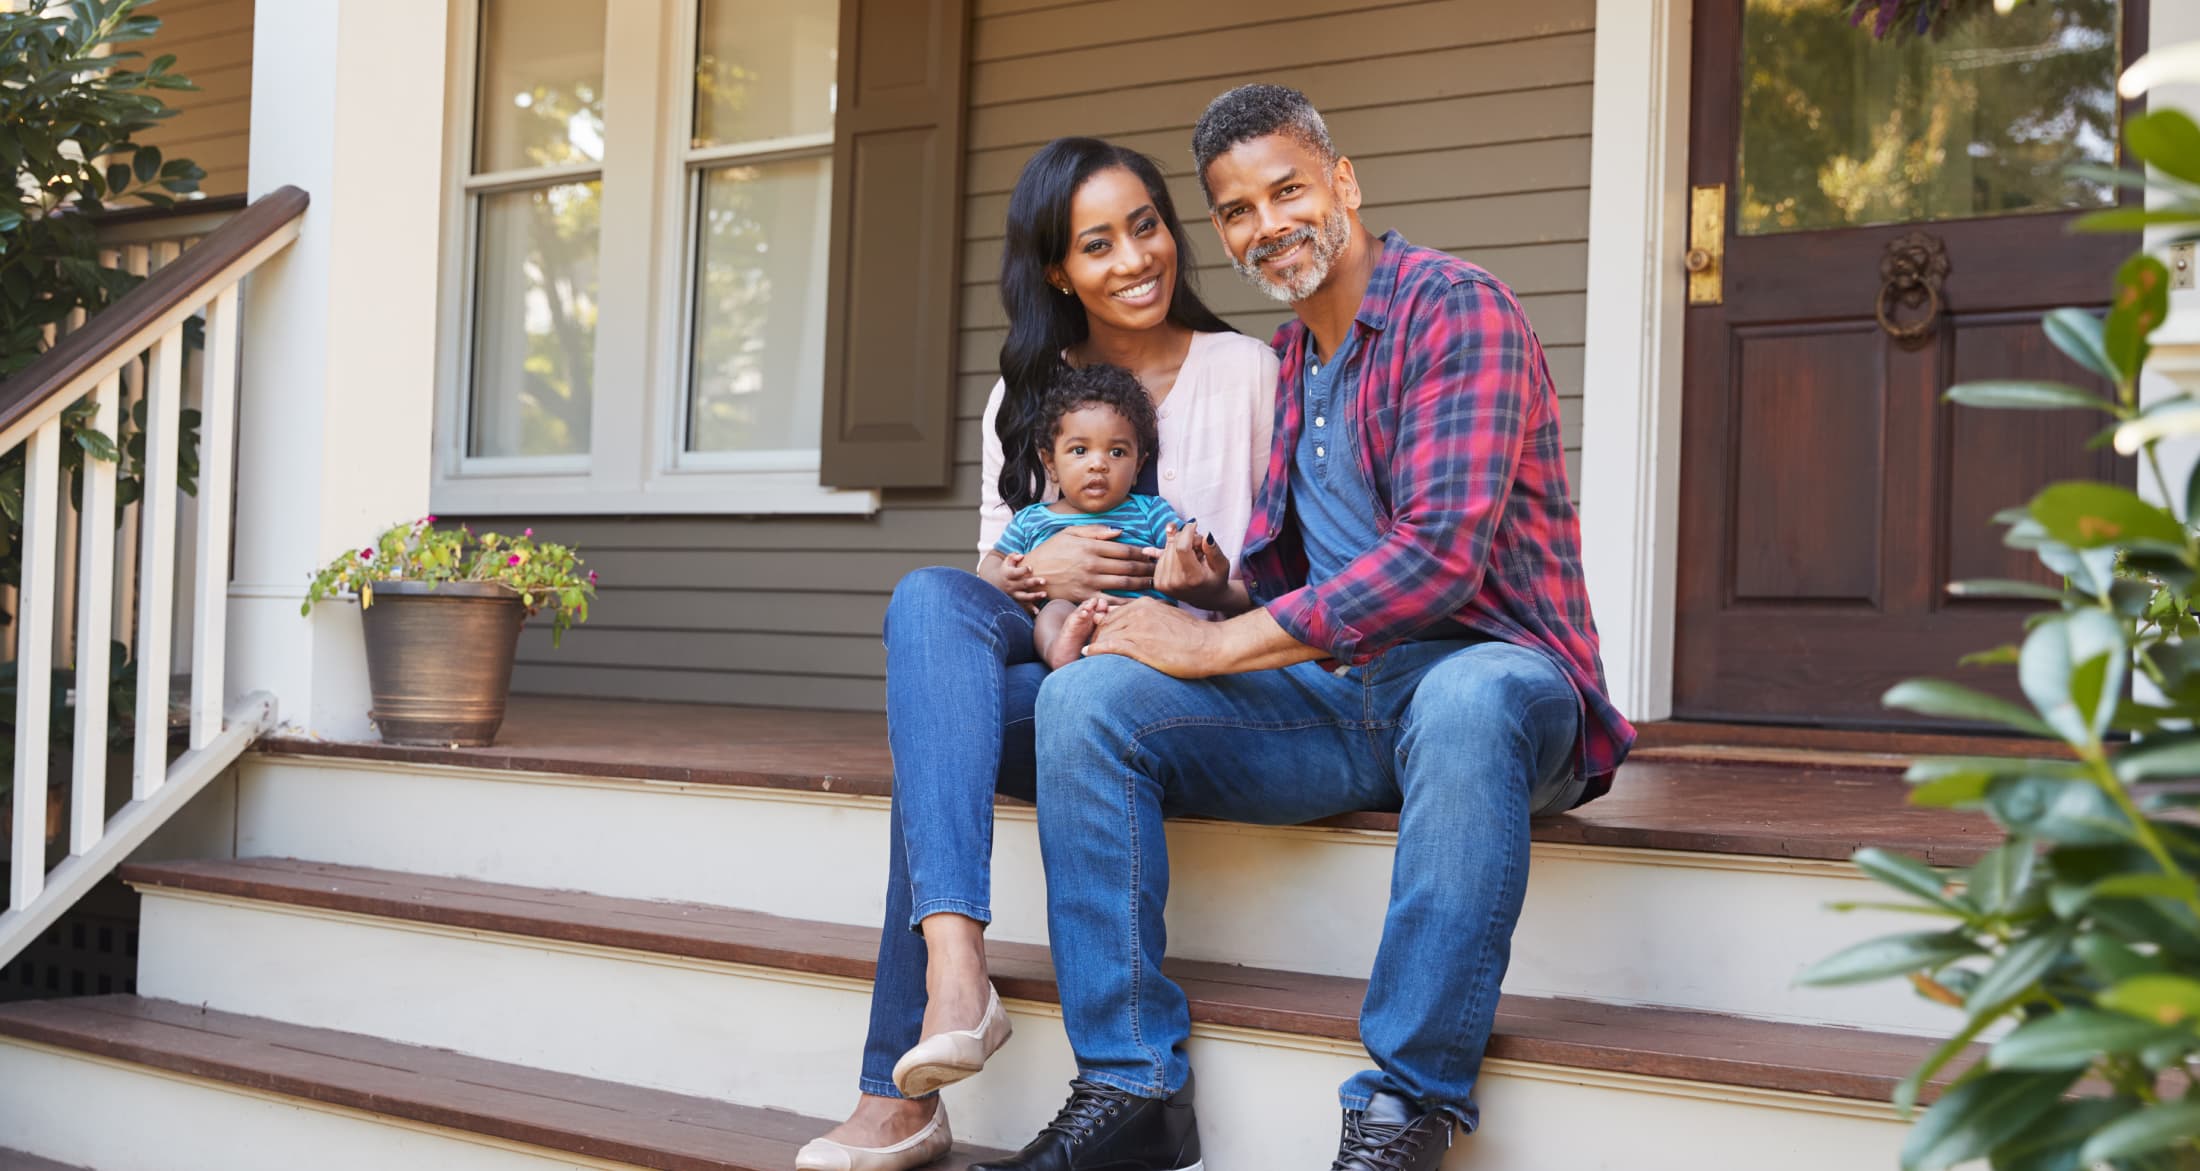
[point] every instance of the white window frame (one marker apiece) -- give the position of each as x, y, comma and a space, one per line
637, 462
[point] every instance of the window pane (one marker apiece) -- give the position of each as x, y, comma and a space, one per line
758, 371
535, 321
1839, 129
764, 69
541, 97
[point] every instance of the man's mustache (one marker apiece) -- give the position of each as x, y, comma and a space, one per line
1261, 252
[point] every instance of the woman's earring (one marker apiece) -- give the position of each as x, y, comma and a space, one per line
1064, 288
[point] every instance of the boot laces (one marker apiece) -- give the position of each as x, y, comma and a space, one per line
1089, 1105
1377, 1148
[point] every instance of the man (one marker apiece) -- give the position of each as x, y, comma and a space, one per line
1421, 643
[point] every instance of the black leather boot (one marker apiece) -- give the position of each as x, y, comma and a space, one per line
1392, 1134
1102, 1128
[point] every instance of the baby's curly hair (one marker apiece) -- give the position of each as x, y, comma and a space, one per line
1104, 386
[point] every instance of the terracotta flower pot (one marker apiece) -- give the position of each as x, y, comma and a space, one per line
439, 659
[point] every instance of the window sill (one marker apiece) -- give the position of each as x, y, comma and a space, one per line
746, 495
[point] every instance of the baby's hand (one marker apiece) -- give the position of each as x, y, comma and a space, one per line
1021, 583
1192, 566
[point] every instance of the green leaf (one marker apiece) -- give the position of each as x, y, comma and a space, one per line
1953, 791
1997, 881
2072, 1039
2020, 967
2003, 588
2077, 334
2167, 140
1935, 697
2159, 758
1979, 1115
2052, 1143
1907, 1090
2073, 668
2112, 959
2175, 887
2012, 394
2004, 655
2061, 811
1891, 955
2151, 1129
2165, 999
2132, 219
2141, 305
2086, 514
1907, 875
146, 163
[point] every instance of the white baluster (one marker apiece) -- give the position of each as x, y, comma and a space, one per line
34, 662
94, 628
157, 560
217, 468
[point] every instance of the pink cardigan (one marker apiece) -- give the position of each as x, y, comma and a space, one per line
1215, 426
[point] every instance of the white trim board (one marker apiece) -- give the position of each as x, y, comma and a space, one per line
1631, 382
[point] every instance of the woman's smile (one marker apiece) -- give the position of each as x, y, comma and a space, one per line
1141, 293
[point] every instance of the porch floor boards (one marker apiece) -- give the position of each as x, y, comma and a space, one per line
581, 1116
1655, 1042
1676, 793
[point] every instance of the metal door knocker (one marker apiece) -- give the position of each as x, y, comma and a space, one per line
1912, 269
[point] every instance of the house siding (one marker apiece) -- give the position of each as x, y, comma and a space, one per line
1468, 121
212, 42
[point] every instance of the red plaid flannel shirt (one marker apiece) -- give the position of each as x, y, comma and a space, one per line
1459, 435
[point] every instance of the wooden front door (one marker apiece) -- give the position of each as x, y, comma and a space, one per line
1828, 495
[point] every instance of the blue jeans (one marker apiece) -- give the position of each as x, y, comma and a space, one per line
1463, 740
961, 677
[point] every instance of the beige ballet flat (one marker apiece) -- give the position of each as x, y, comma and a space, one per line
947, 1058
915, 1151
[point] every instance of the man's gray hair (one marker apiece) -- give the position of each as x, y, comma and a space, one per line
1256, 111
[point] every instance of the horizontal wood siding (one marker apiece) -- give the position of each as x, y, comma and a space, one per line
1468, 120
212, 43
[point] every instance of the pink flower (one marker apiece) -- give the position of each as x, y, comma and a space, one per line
366, 554
591, 577
528, 533
515, 559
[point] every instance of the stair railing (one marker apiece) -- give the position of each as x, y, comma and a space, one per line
89, 362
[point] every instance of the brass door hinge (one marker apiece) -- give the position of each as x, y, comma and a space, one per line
1706, 244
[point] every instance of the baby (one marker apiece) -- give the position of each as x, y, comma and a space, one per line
1100, 432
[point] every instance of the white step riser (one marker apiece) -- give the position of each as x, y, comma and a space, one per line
765, 1038
119, 1117
1715, 932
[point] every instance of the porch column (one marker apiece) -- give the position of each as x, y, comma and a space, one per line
337, 408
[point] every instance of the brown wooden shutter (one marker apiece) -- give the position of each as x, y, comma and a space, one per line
891, 297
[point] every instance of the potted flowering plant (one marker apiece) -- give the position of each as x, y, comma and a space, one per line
442, 610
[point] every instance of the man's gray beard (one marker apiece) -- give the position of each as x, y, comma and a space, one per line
1308, 276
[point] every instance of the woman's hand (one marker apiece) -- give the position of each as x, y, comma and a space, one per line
1192, 567
1085, 560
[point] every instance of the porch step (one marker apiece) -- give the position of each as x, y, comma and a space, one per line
245, 1093
661, 993
1692, 886
18, 1161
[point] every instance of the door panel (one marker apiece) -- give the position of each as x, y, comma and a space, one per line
1829, 496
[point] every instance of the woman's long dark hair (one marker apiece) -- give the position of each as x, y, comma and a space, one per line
1042, 323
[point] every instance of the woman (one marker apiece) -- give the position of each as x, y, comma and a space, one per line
1095, 269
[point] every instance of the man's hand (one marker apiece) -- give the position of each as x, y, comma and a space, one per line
1079, 562
1192, 568
1156, 634
1175, 643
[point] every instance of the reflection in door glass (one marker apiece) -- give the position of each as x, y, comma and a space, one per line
1979, 119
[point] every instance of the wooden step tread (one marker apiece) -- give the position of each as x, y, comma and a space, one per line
18, 1161
1822, 807
560, 1112
1655, 1042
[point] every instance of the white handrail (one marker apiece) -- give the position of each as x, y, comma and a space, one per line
148, 574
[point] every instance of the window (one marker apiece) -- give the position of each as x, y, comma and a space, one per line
637, 258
